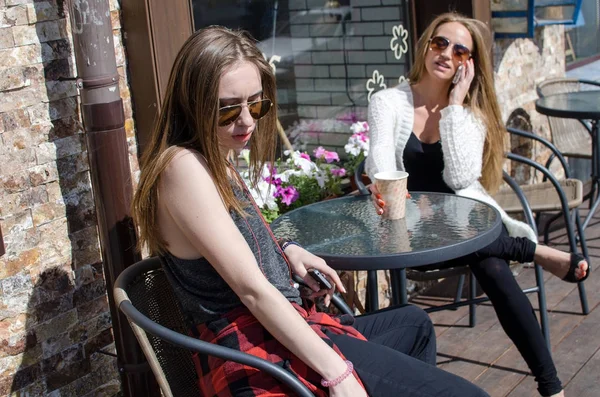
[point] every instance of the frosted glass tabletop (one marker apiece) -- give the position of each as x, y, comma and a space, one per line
349, 235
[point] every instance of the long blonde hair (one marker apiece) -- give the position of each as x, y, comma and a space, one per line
188, 119
481, 97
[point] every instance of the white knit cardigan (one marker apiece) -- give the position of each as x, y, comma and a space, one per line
391, 117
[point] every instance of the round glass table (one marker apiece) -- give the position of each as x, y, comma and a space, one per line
581, 105
349, 235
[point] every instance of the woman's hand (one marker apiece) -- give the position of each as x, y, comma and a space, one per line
301, 261
378, 202
349, 387
461, 89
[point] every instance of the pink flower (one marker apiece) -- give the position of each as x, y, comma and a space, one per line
319, 152
330, 157
273, 181
326, 155
338, 172
288, 195
305, 156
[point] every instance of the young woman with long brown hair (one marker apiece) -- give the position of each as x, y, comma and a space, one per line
444, 128
231, 276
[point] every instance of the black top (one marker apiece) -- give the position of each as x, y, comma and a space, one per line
203, 294
424, 163
577, 105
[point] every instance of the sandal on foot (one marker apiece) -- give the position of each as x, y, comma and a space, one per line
575, 260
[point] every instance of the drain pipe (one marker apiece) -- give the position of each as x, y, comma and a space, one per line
104, 123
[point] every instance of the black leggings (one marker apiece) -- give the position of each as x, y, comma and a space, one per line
399, 357
516, 315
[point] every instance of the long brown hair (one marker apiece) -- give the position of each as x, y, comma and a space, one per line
481, 97
188, 119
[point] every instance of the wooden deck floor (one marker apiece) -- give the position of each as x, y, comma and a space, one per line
485, 356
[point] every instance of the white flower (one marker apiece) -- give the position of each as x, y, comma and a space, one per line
263, 195
359, 126
285, 175
352, 149
321, 177
297, 161
399, 41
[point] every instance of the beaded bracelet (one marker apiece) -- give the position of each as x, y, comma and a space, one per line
339, 379
287, 243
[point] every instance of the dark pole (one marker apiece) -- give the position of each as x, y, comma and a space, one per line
104, 122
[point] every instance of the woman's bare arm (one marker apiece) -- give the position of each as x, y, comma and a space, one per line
192, 201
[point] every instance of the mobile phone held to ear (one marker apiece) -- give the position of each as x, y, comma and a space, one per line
458, 74
320, 278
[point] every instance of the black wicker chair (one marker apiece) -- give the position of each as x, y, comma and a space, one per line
143, 294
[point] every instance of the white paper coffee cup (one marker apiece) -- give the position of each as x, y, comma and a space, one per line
392, 187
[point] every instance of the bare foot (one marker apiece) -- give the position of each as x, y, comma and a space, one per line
558, 262
559, 394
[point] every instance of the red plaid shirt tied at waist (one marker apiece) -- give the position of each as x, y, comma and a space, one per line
240, 330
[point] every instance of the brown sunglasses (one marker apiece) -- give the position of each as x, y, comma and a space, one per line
257, 109
440, 43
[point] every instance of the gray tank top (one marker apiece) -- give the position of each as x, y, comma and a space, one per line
204, 295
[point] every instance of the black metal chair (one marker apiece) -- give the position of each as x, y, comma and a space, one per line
143, 294
553, 195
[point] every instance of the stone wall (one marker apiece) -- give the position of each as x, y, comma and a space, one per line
519, 66
54, 314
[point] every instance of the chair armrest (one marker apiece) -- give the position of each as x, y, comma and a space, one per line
358, 179
561, 194
522, 199
211, 349
545, 142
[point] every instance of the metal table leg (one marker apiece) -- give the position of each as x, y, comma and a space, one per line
398, 279
595, 174
372, 291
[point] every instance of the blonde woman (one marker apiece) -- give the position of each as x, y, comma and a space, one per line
444, 129
231, 276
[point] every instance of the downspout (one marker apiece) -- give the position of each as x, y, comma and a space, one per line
104, 123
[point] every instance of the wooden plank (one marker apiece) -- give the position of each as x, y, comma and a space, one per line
587, 381
573, 350
492, 351
442, 320
499, 382
527, 387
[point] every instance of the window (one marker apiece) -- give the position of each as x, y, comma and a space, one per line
329, 57
518, 18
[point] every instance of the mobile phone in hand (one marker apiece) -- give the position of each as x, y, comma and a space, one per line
320, 278
458, 74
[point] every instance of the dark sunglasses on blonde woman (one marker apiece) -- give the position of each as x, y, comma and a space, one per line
257, 109
460, 52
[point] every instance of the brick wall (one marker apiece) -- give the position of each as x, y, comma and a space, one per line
54, 313
339, 58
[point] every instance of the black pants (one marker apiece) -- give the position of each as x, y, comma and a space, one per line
514, 311
399, 357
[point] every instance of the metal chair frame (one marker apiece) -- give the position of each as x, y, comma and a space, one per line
565, 212
142, 326
542, 91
